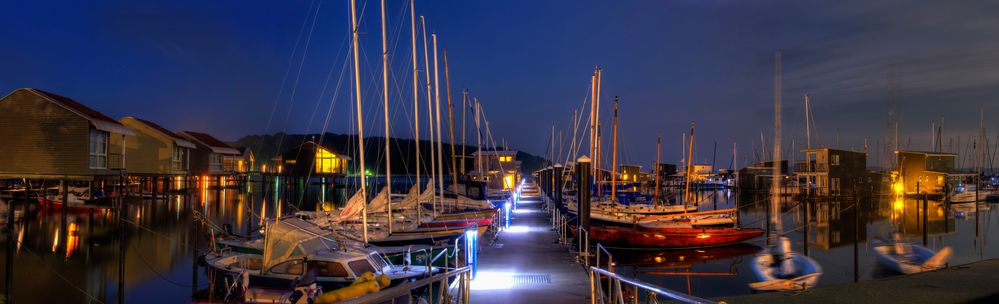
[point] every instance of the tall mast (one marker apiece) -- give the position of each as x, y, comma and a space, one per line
478, 137
360, 120
659, 141
464, 109
437, 114
614, 157
808, 126
450, 120
593, 123
430, 110
689, 170
416, 104
776, 181
388, 155
596, 158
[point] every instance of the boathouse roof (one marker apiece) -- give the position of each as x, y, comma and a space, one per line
177, 139
211, 142
97, 119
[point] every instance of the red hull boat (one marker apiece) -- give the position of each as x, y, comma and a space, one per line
56, 206
671, 237
462, 223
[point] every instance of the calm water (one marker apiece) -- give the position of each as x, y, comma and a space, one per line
832, 237
162, 239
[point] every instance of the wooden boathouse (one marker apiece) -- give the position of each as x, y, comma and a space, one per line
311, 159
833, 172
922, 171
48, 136
211, 158
159, 159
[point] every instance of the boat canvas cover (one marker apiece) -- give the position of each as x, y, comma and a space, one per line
294, 238
354, 206
379, 202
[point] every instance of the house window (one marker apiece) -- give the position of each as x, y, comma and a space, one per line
228, 163
834, 161
98, 149
326, 162
215, 162
506, 159
179, 156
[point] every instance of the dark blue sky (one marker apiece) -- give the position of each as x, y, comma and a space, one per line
248, 67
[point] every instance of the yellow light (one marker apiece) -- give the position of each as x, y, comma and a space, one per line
898, 187
508, 181
898, 205
624, 176
703, 236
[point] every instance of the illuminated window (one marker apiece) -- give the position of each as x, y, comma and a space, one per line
326, 162
506, 158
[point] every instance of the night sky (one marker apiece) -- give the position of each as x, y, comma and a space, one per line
234, 68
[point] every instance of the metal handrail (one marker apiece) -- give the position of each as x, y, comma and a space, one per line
583, 237
617, 296
610, 257
406, 289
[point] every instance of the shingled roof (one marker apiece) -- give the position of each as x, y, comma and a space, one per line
211, 142
97, 119
177, 139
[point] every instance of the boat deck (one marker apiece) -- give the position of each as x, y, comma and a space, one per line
526, 264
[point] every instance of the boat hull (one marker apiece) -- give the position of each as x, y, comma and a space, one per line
671, 237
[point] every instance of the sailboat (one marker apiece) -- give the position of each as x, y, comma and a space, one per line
908, 258
778, 267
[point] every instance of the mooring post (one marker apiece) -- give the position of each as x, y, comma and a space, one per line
121, 238
926, 211
583, 194
557, 184
63, 230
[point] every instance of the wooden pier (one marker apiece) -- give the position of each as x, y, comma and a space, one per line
525, 264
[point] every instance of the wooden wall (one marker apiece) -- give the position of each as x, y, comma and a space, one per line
38, 137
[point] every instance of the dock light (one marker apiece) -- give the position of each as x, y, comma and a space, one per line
471, 244
492, 280
506, 215
898, 205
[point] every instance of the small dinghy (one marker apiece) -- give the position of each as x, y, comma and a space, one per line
781, 269
910, 258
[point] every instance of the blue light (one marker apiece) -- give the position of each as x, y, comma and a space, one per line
471, 244
506, 215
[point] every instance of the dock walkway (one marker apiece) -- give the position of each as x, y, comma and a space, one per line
971, 283
526, 265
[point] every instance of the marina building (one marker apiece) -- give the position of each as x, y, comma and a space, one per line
312, 159
500, 169
921, 171
833, 172
154, 150
212, 156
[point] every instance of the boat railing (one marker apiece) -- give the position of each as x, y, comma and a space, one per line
616, 285
610, 257
456, 291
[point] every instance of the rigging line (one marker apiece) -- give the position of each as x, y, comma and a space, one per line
153, 269
284, 79
298, 76
329, 113
185, 244
59, 275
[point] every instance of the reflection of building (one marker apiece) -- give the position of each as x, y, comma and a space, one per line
836, 224
939, 220
499, 169
312, 159
44, 134
155, 150
833, 172
926, 171
212, 157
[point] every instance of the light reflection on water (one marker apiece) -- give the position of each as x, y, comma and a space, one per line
832, 235
160, 256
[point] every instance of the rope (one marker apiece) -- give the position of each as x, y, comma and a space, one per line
162, 276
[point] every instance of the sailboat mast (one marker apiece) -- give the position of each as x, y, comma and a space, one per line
689, 170
416, 105
464, 109
450, 120
808, 126
593, 122
388, 155
478, 137
614, 157
430, 110
360, 119
776, 181
437, 114
659, 145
